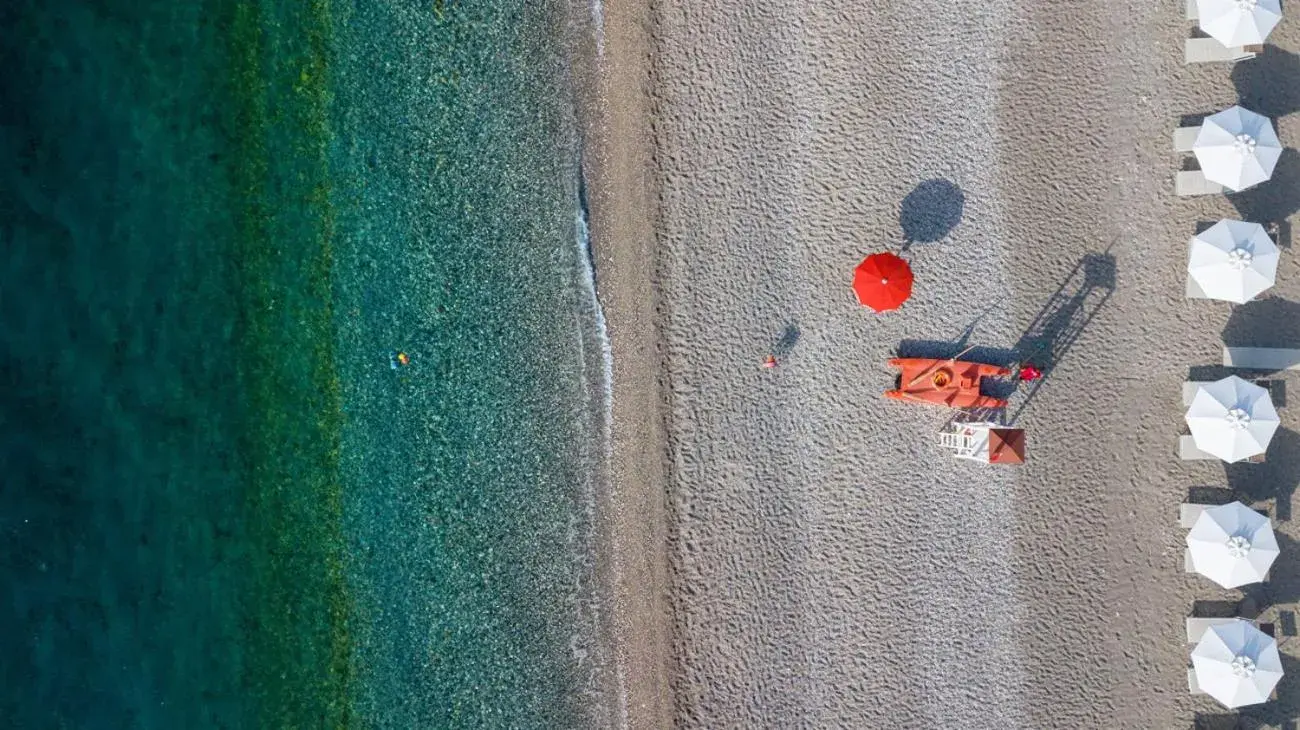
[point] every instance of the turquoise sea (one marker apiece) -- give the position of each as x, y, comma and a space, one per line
223, 504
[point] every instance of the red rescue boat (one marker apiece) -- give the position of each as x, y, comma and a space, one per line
950, 383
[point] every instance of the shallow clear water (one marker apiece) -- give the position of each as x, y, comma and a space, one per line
470, 462
222, 507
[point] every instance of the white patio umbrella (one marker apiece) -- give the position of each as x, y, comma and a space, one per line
1232, 545
1237, 148
1232, 419
1237, 664
1233, 260
1238, 22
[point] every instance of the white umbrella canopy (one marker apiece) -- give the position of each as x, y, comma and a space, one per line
1232, 545
1238, 22
1237, 664
1237, 148
1233, 260
1232, 419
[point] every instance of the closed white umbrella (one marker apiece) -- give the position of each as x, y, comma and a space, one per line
1238, 22
1237, 148
1232, 419
1232, 545
1233, 260
1237, 664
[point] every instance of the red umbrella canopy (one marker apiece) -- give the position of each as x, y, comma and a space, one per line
882, 281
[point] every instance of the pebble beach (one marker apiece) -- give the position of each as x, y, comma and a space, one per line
789, 549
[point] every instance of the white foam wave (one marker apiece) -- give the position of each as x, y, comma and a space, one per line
591, 325
588, 275
597, 9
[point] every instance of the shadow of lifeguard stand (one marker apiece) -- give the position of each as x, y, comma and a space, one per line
1044, 343
990, 435
1062, 319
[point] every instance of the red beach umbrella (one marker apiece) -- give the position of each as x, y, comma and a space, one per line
882, 281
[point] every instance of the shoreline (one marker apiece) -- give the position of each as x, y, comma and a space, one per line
612, 72
471, 525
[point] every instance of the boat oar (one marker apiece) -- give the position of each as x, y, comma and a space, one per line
928, 370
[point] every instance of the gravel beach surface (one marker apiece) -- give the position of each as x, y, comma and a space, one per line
828, 565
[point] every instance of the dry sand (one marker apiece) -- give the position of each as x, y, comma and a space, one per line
827, 564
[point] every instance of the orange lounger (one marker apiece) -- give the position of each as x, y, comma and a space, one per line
951, 383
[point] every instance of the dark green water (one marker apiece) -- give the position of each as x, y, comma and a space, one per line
221, 507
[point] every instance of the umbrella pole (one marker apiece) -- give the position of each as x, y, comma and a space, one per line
953, 359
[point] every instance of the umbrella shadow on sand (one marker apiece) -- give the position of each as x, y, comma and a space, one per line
1267, 322
1281, 592
1219, 721
1044, 343
1266, 83
1275, 479
1232, 721
1276, 199
930, 212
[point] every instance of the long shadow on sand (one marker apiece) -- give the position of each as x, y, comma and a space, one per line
1062, 319
1267, 83
944, 349
1047, 339
1275, 200
930, 212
